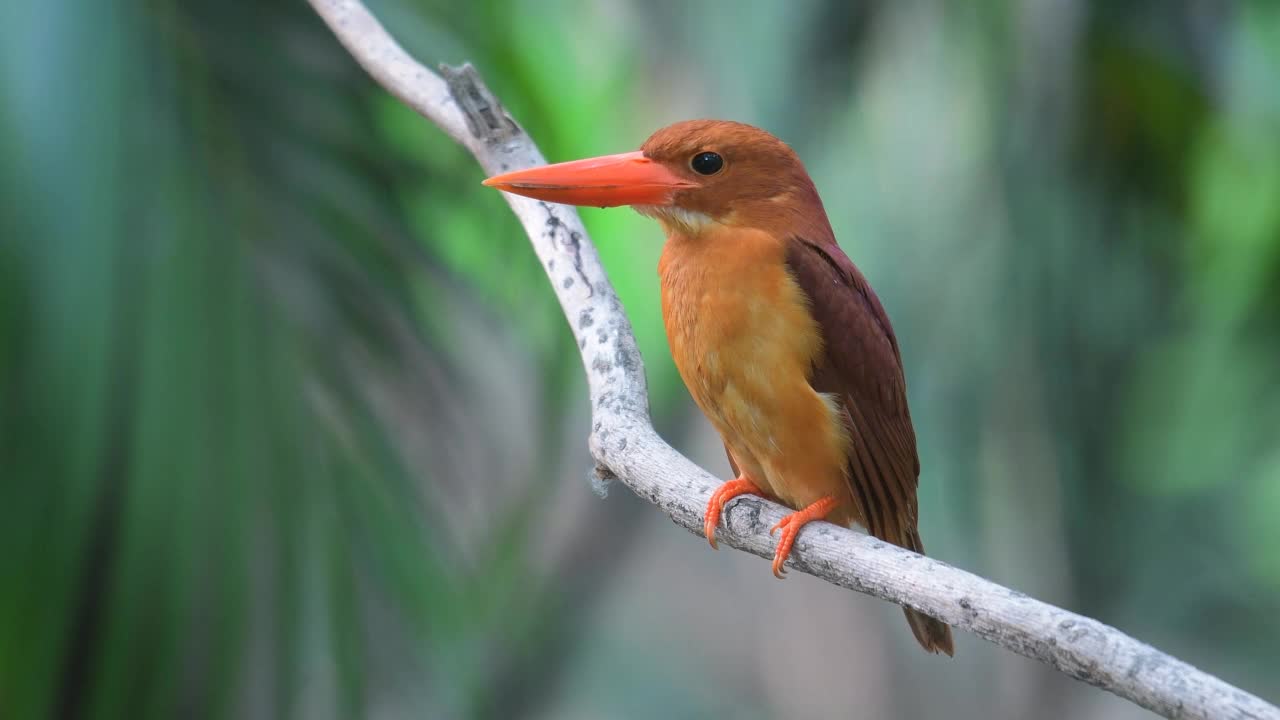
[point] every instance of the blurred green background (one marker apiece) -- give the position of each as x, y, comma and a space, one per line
291, 425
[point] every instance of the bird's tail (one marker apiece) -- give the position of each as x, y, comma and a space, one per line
933, 635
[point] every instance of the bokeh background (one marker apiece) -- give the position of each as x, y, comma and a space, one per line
291, 425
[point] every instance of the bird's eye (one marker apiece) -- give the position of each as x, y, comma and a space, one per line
707, 163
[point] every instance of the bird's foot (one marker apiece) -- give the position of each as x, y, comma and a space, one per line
791, 525
723, 494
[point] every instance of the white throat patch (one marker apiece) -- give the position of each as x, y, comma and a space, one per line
688, 221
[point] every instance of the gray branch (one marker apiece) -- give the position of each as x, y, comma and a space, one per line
627, 448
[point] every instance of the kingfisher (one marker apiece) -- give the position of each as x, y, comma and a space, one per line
776, 333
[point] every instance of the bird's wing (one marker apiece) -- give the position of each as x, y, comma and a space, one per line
860, 364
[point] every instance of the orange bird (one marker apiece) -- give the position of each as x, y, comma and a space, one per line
777, 335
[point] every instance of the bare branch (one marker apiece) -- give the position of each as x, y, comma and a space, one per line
625, 444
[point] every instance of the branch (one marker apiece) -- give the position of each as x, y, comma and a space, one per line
627, 448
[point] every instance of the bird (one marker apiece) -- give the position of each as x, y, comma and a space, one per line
775, 332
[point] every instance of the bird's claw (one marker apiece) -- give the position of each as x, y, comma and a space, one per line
791, 525
709, 527
723, 494
784, 545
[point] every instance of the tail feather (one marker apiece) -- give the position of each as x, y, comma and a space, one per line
933, 635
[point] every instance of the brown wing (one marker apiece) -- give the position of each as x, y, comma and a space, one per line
862, 366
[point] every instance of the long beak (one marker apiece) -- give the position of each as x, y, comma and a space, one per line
608, 181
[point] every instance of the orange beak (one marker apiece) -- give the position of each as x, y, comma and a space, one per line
608, 181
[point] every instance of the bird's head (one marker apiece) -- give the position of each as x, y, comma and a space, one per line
689, 175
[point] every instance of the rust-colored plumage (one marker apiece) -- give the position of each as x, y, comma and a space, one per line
779, 338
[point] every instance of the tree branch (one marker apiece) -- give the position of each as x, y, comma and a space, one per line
626, 446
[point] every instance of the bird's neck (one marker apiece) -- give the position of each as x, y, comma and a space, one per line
784, 218
716, 259
677, 220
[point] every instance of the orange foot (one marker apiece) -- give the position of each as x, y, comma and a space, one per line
791, 525
726, 492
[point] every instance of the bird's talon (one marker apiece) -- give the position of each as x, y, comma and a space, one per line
791, 525
722, 495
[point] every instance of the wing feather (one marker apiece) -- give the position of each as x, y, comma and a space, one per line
862, 366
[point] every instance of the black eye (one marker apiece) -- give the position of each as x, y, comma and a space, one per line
707, 163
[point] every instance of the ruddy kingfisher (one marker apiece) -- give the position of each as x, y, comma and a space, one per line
779, 338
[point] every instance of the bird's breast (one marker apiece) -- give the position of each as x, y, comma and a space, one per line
744, 341
732, 311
